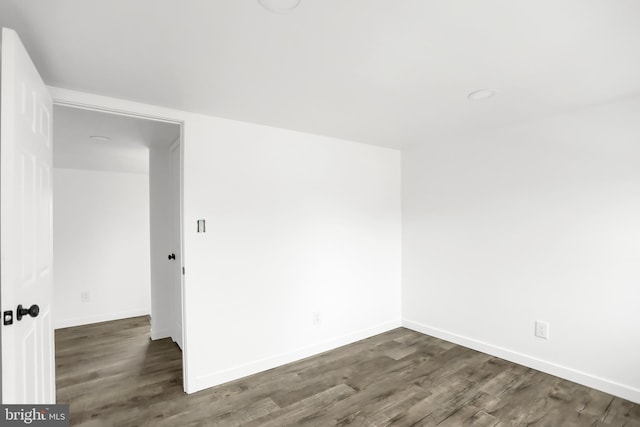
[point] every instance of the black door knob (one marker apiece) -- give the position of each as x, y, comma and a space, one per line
32, 311
172, 256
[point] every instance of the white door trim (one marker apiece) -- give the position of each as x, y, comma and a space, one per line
86, 101
104, 109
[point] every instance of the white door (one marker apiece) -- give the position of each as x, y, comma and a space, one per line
26, 249
176, 242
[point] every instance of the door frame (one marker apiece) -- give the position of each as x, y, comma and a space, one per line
86, 101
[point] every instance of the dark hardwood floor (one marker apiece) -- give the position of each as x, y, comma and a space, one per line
111, 374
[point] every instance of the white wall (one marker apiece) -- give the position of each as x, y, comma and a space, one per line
539, 220
296, 224
161, 228
101, 245
531, 221
534, 221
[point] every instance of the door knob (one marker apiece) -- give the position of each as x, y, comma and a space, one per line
172, 256
32, 311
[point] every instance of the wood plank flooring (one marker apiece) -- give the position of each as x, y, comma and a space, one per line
111, 374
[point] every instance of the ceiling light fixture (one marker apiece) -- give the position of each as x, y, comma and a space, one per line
100, 138
280, 7
481, 95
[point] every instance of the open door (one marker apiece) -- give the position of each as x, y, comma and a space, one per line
26, 248
176, 242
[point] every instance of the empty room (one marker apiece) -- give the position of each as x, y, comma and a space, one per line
322, 213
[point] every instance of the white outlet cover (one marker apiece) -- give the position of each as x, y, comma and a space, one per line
542, 329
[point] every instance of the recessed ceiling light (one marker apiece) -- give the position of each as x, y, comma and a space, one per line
480, 95
100, 138
279, 6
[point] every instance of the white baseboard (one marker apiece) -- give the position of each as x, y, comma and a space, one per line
221, 377
589, 380
159, 334
78, 321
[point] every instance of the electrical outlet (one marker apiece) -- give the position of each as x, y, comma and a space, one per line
85, 296
317, 318
542, 329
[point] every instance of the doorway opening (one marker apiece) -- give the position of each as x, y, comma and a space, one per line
117, 226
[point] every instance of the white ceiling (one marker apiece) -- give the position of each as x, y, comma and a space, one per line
386, 72
127, 151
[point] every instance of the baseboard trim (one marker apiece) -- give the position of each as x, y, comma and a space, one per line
221, 377
79, 321
621, 390
160, 334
